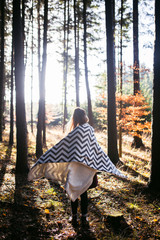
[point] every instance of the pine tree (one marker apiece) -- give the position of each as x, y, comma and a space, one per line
11, 135
76, 47
112, 128
90, 114
137, 142
39, 144
41, 114
155, 161
2, 12
22, 161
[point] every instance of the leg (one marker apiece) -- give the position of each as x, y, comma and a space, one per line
84, 207
74, 206
84, 203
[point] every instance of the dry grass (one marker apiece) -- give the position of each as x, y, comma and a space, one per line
42, 208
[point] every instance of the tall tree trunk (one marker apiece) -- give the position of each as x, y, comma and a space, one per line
135, 48
90, 114
11, 136
155, 161
32, 74
39, 38
23, 20
44, 62
64, 69
65, 66
137, 141
41, 126
2, 5
39, 145
76, 55
112, 128
121, 77
21, 162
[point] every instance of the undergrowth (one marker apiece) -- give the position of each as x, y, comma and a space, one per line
41, 209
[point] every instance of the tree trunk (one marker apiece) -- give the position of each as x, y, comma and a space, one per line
2, 5
44, 62
21, 162
121, 79
65, 64
90, 114
155, 161
23, 19
39, 38
41, 126
76, 55
137, 141
135, 48
32, 53
11, 137
65, 69
39, 145
112, 128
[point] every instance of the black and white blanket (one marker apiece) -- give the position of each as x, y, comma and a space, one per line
80, 145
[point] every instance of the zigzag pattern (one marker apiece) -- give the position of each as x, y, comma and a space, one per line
80, 145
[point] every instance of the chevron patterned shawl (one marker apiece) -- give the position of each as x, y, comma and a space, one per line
80, 145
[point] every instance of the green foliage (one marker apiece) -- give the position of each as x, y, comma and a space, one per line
126, 20
101, 103
146, 84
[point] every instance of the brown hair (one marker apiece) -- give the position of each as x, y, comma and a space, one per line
79, 117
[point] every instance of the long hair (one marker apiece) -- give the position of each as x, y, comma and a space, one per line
79, 117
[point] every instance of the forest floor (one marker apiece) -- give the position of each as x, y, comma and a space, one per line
118, 208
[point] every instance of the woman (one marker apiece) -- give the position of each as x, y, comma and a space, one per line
74, 161
79, 117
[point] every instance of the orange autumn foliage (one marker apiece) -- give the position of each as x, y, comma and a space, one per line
134, 115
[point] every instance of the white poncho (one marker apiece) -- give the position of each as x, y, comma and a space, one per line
74, 161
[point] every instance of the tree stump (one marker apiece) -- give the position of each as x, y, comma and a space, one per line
137, 143
118, 223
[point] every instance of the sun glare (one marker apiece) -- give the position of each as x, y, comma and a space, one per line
54, 83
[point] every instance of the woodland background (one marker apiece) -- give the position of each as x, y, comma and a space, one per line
99, 55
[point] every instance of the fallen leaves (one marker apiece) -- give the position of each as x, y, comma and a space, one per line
47, 211
133, 206
155, 220
42, 209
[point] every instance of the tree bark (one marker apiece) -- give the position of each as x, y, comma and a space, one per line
65, 68
44, 62
39, 145
65, 58
90, 114
41, 126
137, 141
21, 162
112, 127
76, 47
2, 5
135, 48
11, 135
121, 79
155, 161
32, 65
23, 20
